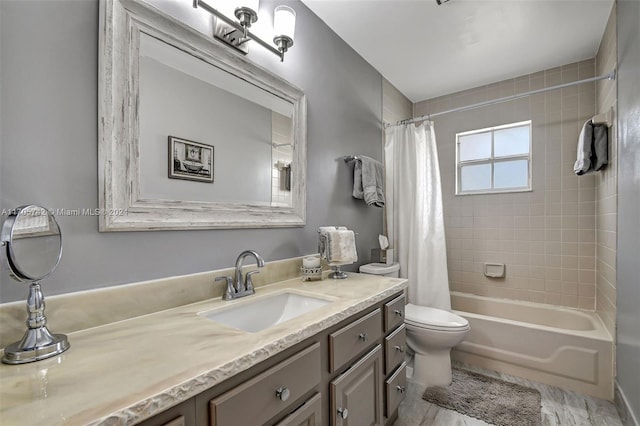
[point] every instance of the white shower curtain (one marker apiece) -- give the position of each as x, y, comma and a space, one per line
415, 223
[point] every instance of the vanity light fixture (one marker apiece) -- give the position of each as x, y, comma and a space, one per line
284, 25
237, 34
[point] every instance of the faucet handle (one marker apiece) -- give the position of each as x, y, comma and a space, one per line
247, 280
228, 294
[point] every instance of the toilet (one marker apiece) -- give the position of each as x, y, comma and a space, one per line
431, 333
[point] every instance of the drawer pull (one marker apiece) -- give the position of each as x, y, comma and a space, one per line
363, 337
283, 394
398, 312
343, 413
401, 389
399, 348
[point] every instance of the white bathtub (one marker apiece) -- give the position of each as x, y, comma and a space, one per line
563, 347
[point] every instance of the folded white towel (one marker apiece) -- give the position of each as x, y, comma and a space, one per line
585, 141
341, 247
322, 238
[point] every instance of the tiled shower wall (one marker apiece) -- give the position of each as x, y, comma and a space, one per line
546, 237
607, 185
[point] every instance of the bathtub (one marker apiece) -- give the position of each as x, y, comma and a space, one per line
567, 348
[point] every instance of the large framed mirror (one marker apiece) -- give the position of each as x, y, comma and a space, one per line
191, 134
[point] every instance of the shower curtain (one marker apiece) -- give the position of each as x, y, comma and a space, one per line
415, 223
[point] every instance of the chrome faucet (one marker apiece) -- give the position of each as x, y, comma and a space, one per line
239, 286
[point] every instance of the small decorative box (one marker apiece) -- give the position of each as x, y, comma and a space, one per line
311, 274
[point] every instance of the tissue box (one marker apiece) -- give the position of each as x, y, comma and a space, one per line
382, 256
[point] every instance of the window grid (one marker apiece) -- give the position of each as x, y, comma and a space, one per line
492, 160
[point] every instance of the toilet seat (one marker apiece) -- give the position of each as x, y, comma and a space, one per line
434, 319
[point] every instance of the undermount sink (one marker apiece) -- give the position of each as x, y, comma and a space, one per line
264, 312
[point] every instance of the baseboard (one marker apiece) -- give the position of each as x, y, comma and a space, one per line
622, 405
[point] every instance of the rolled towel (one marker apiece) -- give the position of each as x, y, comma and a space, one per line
341, 247
584, 152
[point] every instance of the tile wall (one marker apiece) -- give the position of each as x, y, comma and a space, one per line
546, 237
607, 185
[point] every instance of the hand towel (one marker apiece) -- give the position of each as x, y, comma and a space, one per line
341, 247
600, 146
322, 239
585, 141
368, 181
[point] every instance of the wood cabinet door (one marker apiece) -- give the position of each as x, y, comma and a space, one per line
309, 414
356, 395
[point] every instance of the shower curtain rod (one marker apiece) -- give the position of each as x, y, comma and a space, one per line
610, 76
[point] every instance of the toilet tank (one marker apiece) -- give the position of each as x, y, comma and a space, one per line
383, 269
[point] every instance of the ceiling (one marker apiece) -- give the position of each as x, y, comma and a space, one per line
426, 50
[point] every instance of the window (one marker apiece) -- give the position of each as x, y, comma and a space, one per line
496, 159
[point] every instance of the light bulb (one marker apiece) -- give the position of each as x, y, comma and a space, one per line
284, 21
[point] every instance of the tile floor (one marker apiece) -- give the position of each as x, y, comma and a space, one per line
559, 407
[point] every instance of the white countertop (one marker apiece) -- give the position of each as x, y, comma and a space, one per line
127, 371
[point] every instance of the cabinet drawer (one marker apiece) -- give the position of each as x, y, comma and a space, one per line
259, 399
183, 414
309, 414
352, 340
395, 389
393, 313
395, 345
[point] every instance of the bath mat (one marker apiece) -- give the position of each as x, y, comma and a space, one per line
491, 400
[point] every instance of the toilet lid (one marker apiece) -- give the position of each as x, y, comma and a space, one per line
438, 319
379, 268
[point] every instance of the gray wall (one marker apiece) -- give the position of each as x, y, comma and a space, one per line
628, 286
49, 147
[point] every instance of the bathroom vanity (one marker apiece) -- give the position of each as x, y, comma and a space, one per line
341, 363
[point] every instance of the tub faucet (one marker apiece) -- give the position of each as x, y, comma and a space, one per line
242, 286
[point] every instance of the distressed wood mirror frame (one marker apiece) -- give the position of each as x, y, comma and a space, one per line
122, 206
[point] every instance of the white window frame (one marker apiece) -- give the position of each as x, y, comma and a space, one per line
492, 160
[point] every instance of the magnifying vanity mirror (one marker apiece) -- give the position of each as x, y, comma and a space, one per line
32, 245
192, 134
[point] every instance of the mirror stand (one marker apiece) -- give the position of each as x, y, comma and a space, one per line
337, 274
32, 247
38, 342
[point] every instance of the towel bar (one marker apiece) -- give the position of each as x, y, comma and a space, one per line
604, 118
